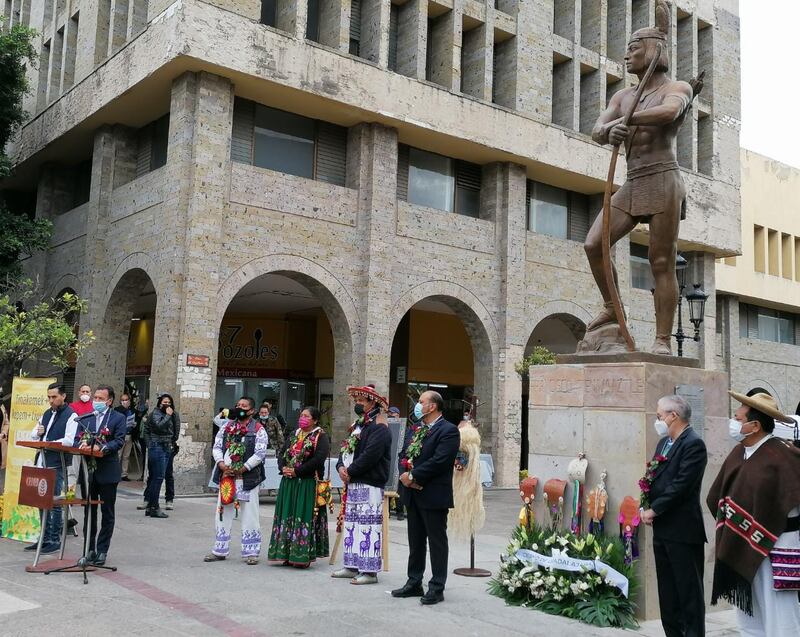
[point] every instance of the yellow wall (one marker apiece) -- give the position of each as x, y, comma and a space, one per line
769, 268
440, 350
140, 347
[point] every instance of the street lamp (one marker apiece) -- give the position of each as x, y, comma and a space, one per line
697, 304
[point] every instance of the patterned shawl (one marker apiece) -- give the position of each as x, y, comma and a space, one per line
751, 500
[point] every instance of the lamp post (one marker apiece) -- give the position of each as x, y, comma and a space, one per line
697, 304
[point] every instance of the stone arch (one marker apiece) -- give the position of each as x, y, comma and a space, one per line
762, 386
483, 335
560, 306
336, 302
67, 282
140, 261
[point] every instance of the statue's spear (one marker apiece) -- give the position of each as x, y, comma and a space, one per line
608, 270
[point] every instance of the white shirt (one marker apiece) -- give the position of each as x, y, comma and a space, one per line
69, 431
749, 451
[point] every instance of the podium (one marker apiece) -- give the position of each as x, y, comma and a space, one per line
36, 492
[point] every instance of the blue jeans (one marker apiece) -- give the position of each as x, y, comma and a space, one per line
55, 517
157, 459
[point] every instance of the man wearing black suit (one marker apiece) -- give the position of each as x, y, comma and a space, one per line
426, 490
111, 427
677, 520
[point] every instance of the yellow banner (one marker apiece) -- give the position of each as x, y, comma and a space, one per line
28, 403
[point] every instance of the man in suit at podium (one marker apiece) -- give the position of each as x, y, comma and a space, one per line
677, 519
426, 490
103, 429
57, 424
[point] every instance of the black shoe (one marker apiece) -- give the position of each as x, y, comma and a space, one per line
72, 523
156, 513
31, 547
430, 598
101, 559
53, 547
400, 517
91, 556
409, 590
125, 479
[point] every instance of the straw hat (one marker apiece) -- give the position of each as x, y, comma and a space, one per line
764, 403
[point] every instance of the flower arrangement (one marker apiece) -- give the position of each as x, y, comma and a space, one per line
420, 432
350, 443
588, 596
89, 439
647, 480
235, 433
301, 449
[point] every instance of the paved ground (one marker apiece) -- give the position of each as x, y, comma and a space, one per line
163, 587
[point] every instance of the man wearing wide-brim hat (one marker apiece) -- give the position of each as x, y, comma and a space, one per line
756, 502
363, 466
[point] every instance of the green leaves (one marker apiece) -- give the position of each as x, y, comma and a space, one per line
33, 328
16, 51
539, 356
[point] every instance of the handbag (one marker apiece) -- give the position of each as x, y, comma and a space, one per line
785, 569
324, 495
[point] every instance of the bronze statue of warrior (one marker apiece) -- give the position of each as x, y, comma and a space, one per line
654, 192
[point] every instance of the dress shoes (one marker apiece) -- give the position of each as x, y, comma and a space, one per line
125, 479
155, 513
31, 547
430, 598
53, 547
409, 590
99, 560
91, 556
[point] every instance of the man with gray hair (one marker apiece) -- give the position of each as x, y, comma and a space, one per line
671, 505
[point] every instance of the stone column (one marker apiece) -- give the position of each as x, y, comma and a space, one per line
503, 201
334, 24
372, 168
412, 38
532, 50
292, 17
200, 130
104, 361
445, 37
375, 15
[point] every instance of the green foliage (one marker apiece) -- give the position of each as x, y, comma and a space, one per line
21, 237
539, 356
34, 328
16, 51
585, 596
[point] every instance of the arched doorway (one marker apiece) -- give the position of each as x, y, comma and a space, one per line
124, 340
441, 343
284, 338
560, 333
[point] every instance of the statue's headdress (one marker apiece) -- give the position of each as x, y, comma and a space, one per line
658, 33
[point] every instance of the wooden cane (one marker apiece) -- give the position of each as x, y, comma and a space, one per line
608, 269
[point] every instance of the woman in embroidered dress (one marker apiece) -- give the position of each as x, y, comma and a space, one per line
300, 529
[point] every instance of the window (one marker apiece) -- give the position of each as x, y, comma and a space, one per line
269, 12
557, 212
641, 273
83, 183
436, 181
289, 143
152, 142
355, 27
767, 324
312, 23
394, 19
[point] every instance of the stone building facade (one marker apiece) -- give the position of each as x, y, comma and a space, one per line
463, 176
758, 293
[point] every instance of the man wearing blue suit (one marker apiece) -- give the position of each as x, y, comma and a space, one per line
426, 490
110, 428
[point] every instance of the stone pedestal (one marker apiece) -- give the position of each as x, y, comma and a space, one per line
607, 410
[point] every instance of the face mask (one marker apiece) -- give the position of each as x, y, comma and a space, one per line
85, 398
359, 409
303, 422
165, 407
735, 430
241, 414
418, 411
99, 407
662, 429
263, 418
126, 403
